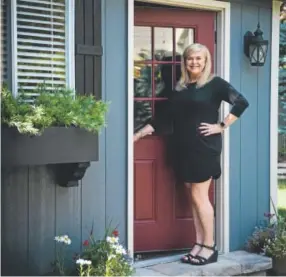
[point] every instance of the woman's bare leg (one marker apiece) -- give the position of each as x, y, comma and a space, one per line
197, 223
205, 212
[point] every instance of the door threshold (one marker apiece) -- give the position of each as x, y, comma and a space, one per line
167, 258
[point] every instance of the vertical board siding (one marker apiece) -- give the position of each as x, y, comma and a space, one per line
249, 132
68, 216
263, 122
235, 131
34, 208
41, 219
14, 223
116, 133
249, 139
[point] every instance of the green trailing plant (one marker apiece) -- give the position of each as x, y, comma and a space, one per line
59, 107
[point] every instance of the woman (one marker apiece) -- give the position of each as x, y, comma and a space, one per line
194, 112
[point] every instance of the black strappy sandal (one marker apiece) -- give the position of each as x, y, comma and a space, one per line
199, 260
188, 257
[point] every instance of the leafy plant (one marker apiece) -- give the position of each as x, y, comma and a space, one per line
257, 241
271, 238
104, 257
276, 247
60, 107
107, 256
59, 263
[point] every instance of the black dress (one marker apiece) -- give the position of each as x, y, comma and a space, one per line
196, 157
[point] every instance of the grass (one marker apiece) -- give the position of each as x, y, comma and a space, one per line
282, 197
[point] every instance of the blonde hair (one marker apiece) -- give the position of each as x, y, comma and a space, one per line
206, 75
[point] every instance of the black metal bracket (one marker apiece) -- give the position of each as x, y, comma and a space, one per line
68, 175
247, 39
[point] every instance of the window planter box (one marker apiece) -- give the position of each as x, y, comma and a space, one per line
65, 149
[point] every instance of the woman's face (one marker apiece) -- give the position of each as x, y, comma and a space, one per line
195, 63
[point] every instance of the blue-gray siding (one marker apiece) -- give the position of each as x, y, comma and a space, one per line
249, 137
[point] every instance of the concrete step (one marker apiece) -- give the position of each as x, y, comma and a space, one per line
236, 263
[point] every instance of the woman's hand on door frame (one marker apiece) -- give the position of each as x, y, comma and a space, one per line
147, 130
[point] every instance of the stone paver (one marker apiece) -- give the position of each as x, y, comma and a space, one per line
223, 267
250, 262
231, 264
147, 272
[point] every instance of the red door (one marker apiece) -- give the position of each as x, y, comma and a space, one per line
163, 220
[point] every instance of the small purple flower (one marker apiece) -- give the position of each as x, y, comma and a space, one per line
268, 215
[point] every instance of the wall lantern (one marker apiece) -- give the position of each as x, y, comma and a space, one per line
255, 47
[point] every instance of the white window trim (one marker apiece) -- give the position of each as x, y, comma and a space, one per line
223, 46
274, 103
70, 45
14, 53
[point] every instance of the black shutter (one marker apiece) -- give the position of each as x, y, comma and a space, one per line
88, 48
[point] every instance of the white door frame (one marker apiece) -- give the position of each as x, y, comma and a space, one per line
223, 70
274, 104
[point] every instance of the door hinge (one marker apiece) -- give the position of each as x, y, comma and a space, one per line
215, 37
214, 207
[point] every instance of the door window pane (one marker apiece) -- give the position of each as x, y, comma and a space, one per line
142, 80
142, 113
177, 72
163, 79
142, 43
184, 37
163, 43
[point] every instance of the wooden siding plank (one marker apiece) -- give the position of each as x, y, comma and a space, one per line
68, 217
235, 130
14, 222
41, 220
249, 133
258, 3
116, 133
93, 183
93, 195
263, 122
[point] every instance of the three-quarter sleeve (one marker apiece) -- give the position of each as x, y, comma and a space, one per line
229, 94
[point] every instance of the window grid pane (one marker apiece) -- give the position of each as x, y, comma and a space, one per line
163, 56
41, 45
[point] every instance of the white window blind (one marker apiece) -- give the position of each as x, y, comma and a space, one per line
4, 52
41, 37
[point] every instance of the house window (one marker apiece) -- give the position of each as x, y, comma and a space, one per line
4, 42
42, 45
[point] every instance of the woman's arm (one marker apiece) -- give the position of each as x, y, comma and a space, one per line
147, 130
227, 93
211, 129
163, 117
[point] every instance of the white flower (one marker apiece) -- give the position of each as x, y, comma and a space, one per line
64, 239
83, 262
111, 256
112, 240
119, 249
